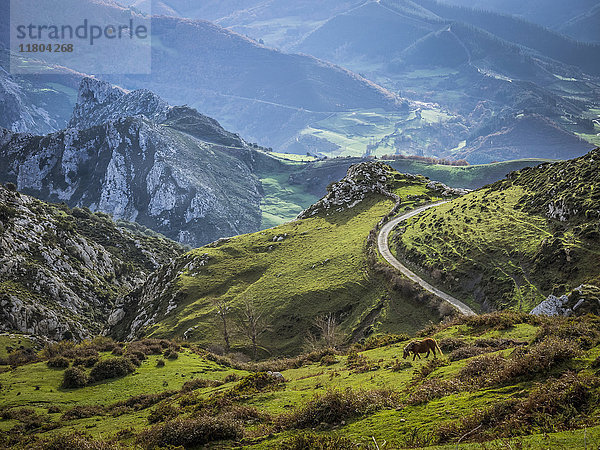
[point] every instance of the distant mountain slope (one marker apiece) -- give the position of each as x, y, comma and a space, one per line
553, 15
36, 104
512, 243
292, 273
479, 68
584, 27
538, 137
261, 93
185, 177
550, 44
61, 270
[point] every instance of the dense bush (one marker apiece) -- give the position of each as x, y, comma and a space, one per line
170, 354
468, 351
162, 412
87, 361
335, 406
160, 362
191, 432
432, 389
584, 331
75, 377
557, 404
111, 368
22, 356
58, 362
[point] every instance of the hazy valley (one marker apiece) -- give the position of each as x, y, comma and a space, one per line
199, 257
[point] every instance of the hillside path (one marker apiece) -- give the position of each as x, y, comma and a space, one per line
382, 245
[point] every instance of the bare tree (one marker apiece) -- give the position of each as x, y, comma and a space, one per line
223, 311
328, 333
252, 323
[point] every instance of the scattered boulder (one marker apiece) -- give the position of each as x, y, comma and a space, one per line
584, 299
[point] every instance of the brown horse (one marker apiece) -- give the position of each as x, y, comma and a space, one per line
425, 346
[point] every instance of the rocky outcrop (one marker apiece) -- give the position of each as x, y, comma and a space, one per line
361, 180
584, 299
170, 169
16, 111
446, 191
61, 270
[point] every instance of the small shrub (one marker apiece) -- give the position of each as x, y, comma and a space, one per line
231, 378
400, 365
75, 377
103, 344
140, 356
583, 331
170, 354
432, 389
199, 383
540, 358
142, 401
75, 441
328, 360
162, 413
82, 412
22, 356
450, 344
111, 368
133, 359
467, 351
255, 382
383, 340
87, 361
483, 368
58, 362
118, 351
160, 362
429, 367
53, 409
190, 432
359, 363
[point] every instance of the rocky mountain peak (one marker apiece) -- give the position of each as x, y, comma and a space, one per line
99, 102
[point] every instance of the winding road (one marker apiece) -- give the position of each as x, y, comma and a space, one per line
382, 245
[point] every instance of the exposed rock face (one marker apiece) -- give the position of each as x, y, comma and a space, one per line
176, 176
61, 270
582, 300
139, 310
16, 112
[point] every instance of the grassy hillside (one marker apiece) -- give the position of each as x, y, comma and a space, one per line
511, 244
504, 379
292, 274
